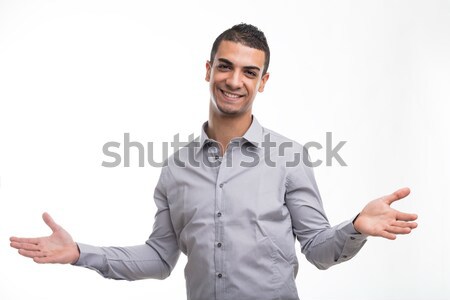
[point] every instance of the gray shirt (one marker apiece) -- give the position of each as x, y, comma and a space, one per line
236, 218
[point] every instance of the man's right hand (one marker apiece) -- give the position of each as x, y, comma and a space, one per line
59, 247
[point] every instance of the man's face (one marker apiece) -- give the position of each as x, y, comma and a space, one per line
235, 77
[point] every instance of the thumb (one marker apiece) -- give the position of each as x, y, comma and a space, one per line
397, 195
50, 223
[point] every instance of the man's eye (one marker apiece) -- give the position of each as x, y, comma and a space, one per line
251, 73
223, 67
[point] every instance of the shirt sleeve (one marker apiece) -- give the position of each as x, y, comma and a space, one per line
323, 245
154, 259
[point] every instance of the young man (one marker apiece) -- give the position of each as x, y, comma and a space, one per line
233, 201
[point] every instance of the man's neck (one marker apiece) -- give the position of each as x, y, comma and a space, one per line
224, 128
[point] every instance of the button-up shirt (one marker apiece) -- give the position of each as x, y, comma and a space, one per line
236, 217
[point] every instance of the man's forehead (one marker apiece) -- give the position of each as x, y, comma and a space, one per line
240, 54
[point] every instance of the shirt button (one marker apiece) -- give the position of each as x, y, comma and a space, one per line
352, 238
344, 256
221, 185
219, 245
219, 214
219, 275
213, 150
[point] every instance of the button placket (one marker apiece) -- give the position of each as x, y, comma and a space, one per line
219, 252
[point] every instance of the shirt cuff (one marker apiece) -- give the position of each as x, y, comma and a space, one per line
349, 229
90, 257
354, 241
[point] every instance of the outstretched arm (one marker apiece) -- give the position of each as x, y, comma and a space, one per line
154, 259
378, 218
131, 263
59, 247
325, 246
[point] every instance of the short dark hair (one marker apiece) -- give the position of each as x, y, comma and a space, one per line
247, 35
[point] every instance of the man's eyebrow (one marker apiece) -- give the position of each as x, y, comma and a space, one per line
224, 60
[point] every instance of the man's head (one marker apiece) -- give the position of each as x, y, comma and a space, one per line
237, 70
247, 35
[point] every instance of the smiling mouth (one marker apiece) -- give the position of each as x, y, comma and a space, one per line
231, 95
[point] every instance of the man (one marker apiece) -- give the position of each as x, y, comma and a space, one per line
233, 201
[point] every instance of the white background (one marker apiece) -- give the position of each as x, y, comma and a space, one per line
77, 74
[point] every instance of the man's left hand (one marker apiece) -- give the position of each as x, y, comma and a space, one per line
378, 218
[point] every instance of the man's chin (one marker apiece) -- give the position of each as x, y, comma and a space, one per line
228, 109
228, 112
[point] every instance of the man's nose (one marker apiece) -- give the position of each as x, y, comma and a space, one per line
234, 81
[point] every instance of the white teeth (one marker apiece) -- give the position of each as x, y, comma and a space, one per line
230, 95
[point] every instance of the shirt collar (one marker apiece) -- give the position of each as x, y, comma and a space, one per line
253, 135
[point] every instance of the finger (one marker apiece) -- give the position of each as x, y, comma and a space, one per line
50, 222
25, 246
405, 216
397, 195
387, 235
25, 240
398, 230
31, 254
411, 225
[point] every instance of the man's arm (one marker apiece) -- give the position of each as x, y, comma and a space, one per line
325, 246
154, 259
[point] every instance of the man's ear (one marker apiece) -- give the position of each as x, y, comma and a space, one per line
208, 70
263, 82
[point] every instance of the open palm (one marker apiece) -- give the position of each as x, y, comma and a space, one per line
378, 218
59, 247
